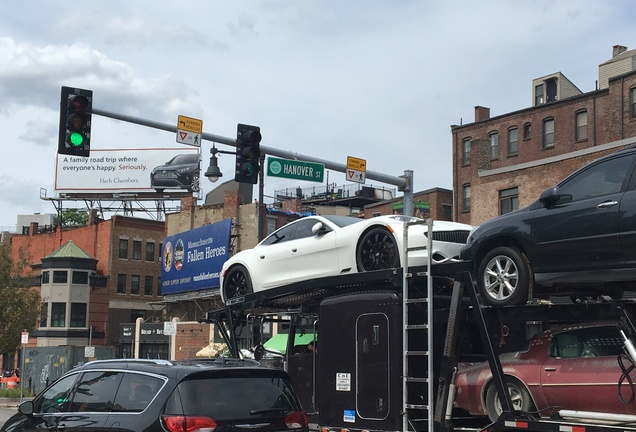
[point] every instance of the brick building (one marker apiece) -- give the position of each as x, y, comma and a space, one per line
503, 163
127, 268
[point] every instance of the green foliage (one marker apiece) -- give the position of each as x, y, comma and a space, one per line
74, 217
20, 305
14, 393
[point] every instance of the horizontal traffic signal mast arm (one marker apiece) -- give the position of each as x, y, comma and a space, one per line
400, 182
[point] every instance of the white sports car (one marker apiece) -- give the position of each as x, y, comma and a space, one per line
320, 246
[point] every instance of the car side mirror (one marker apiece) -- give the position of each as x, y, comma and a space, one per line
319, 229
549, 197
259, 350
26, 407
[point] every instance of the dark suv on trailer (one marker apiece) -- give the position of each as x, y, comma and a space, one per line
578, 238
180, 172
161, 395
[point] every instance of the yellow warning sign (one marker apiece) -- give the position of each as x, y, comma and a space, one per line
356, 164
189, 124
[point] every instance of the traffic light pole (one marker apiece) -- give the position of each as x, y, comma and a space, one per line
404, 183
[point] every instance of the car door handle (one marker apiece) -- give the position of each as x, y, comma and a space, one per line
607, 204
294, 250
550, 369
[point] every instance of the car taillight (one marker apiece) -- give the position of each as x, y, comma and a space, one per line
296, 420
189, 423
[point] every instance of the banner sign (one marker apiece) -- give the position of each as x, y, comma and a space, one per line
192, 260
129, 170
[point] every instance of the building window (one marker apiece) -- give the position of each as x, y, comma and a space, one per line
527, 131
78, 315
123, 248
44, 314
159, 285
538, 95
466, 198
466, 144
136, 254
508, 200
548, 133
121, 283
447, 212
60, 276
134, 284
80, 277
633, 101
581, 125
513, 141
148, 285
271, 225
494, 146
58, 314
45, 277
150, 251
136, 313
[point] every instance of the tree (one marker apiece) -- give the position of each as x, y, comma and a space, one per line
20, 305
74, 217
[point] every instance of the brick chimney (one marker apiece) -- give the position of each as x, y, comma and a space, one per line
481, 113
618, 49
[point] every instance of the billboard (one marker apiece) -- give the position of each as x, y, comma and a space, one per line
192, 260
127, 170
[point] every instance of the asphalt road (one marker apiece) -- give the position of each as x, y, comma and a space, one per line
6, 412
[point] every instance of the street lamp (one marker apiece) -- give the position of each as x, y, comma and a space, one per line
213, 173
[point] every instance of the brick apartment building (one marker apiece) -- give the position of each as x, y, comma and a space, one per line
503, 163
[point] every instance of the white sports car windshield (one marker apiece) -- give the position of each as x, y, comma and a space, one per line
343, 221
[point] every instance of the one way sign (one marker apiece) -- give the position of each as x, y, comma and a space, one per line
356, 176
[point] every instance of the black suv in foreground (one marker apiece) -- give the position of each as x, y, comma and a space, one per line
161, 395
578, 238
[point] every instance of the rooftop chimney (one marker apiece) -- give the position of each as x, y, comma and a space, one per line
618, 49
481, 113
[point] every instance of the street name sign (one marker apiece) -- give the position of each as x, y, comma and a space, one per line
294, 169
189, 131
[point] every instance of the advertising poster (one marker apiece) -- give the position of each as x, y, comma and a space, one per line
129, 170
192, 260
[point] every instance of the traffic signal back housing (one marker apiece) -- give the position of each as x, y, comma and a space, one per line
248, 152
75, 122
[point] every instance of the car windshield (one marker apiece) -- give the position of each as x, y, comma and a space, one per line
343, 221
184, 159
234, 396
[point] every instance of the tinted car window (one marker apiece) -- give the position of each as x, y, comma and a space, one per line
303, 228
96, 391
602, 179
136, 391
56, 398
587, 342
282, 235
240, 396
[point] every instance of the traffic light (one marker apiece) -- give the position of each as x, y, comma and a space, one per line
75, 122
248, 152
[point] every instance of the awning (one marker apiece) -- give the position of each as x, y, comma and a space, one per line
279, 342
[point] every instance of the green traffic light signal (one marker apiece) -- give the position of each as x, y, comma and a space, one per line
76, 139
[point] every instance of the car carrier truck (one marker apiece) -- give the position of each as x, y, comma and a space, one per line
386, 345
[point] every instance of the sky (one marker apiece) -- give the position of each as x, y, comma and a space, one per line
378, 80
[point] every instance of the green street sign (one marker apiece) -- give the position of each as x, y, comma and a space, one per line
294, 169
